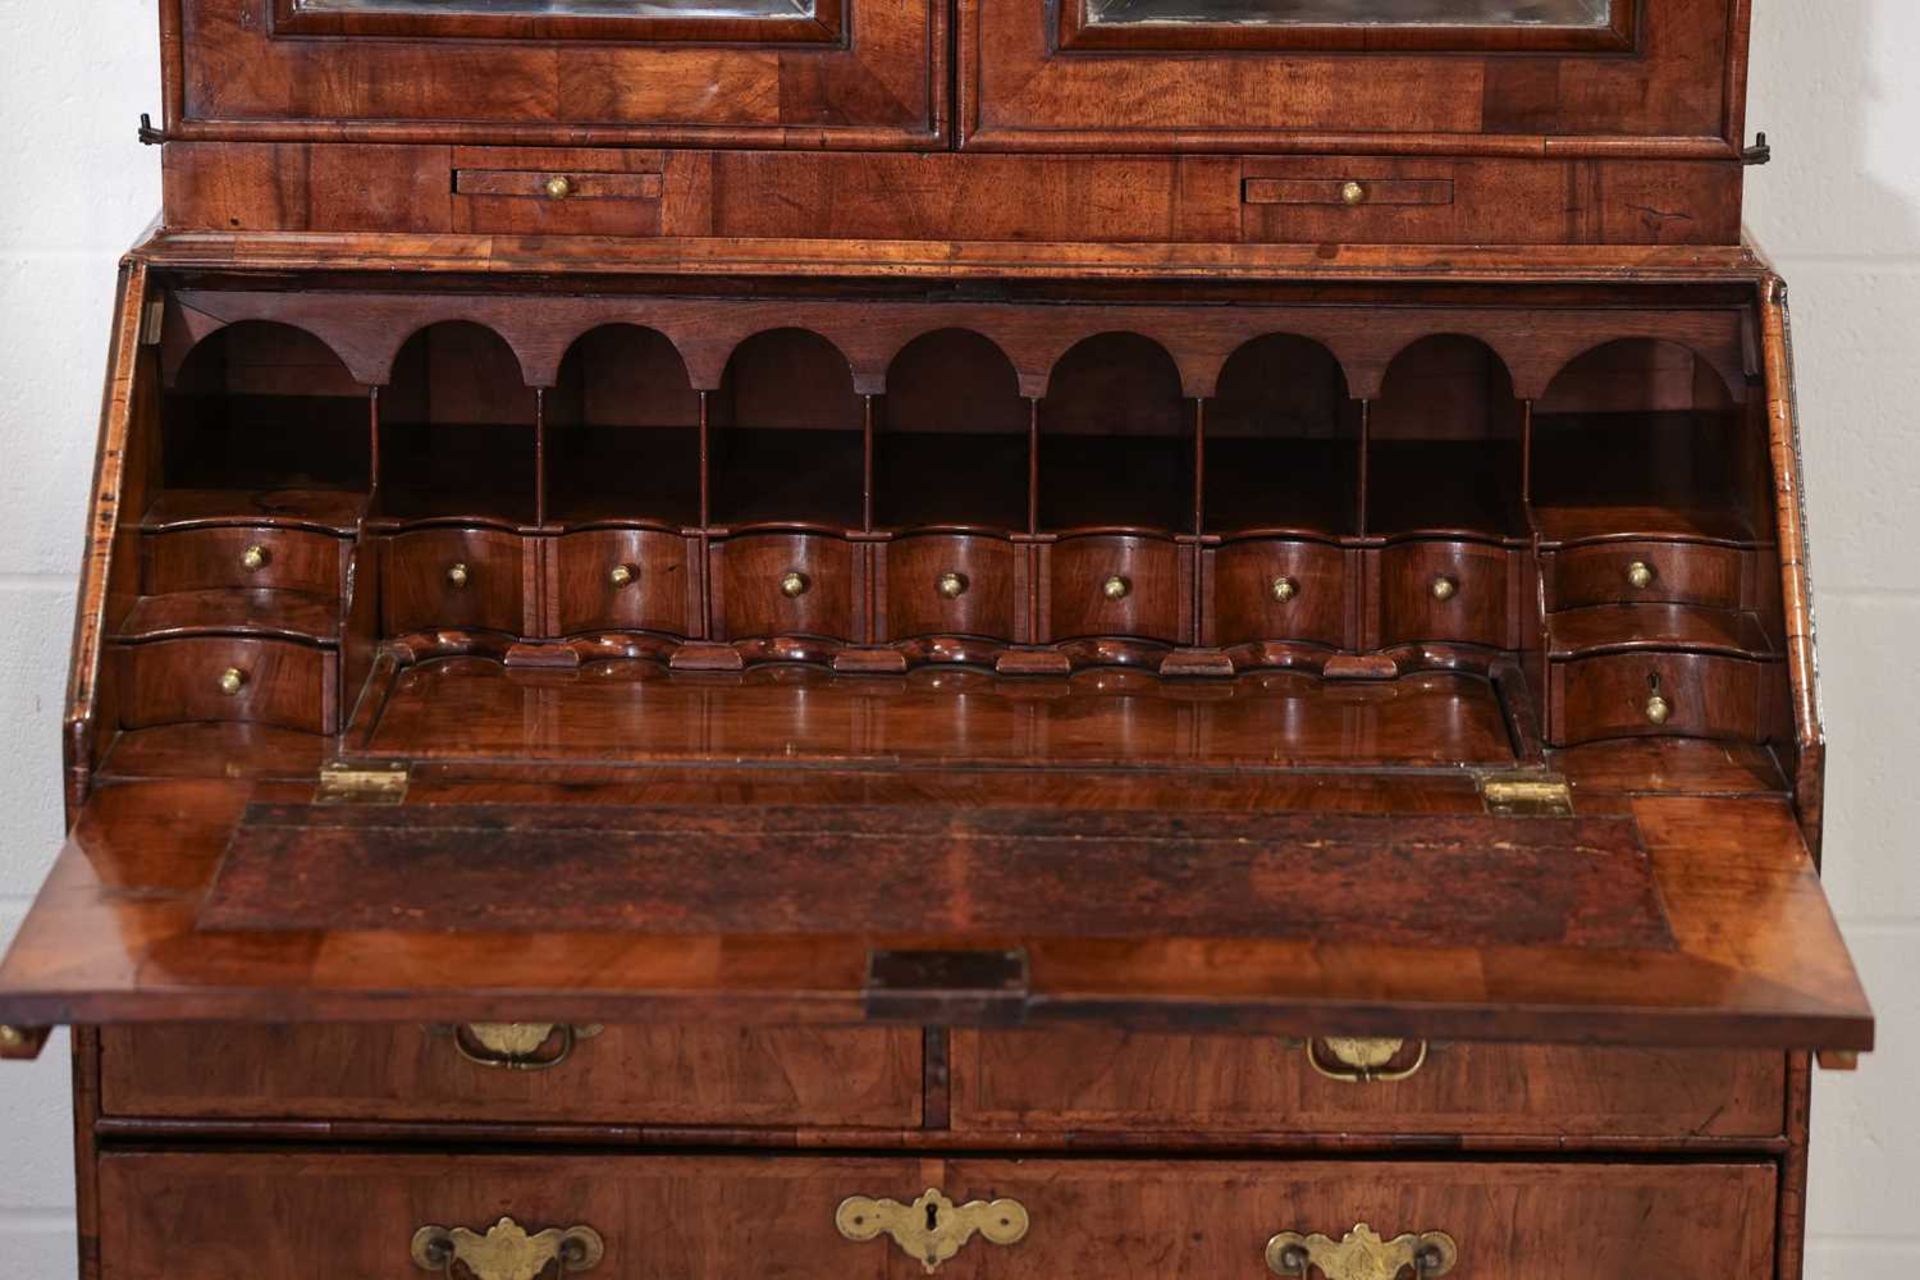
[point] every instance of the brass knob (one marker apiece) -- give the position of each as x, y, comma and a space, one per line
1116, 588
255, 558
1283, 589
1639, 575
794, 584
622, 575
1659, 710
952, 585
458, 576
1353, 192
559, 187
12, 1038
232, 681
1444, 588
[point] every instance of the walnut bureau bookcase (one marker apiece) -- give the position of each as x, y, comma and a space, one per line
858, 638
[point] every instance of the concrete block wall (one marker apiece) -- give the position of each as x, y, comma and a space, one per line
1839, 209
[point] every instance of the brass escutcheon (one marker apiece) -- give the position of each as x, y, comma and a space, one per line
1117, 588
1283, 589
559, 187
507, 1251
1362, 1255
457, 575
1639, 575
932, 1229
255, 558
622, 575
952, 585
517, 1046
232, 681
794, 584
1444, 588
1354, 192
1352, 1060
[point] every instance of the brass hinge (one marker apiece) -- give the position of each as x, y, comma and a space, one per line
343, 784
1530, 797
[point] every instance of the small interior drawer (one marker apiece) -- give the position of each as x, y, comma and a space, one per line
1351, 192
453, 578
1114, 585
223, 678
264, 1216
951, 584
624, 579
784, 584
250, 558
1276, 589
557, 191
1648, 572
1445, 591
1685, 694
655, 1075
1104, 1079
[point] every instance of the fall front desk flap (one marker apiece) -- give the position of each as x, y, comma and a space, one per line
946, 897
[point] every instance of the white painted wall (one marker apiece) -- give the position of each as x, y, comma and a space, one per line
1839, 209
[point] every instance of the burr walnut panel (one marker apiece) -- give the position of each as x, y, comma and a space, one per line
1103, 1080
166, 1214
619, 1075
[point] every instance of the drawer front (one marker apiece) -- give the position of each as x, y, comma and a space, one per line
1648, 572
784, 584
1107, 585
240, 1216
1279, 590
941, 584
556, 192
270, 682
256, 559
1434, 200
455, 578
652, 1075
1699, 696
1100, 1079
624, 580
1448, 591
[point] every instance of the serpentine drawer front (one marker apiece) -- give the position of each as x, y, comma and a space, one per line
282, 1217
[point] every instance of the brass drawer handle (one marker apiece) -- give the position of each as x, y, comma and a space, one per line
255, 558
506, 1251
622, 576
932, 1229
1444, 588
1351, 1060
232, 681
458, 576
520, 1046
1362, 1255
1283, 589
1353, 192
952, 585
1658, 709
1640, 575
559, 187
1117, 588
794, 584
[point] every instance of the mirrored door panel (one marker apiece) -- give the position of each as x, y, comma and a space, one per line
749, 21
1653, 78
1359, 24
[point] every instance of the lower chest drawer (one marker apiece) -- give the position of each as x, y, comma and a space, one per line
1116, 1081
638, 1075
225, 1216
